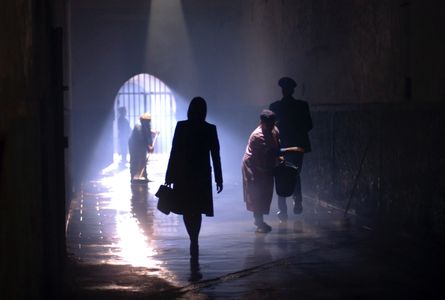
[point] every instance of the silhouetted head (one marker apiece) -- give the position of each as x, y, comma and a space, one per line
197, 109
287, 85
268, 119
122, 111
145, 119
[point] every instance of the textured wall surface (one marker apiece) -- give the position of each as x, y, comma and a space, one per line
20, 246
393, 155
32, 213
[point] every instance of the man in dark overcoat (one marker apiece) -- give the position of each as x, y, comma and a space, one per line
294, 123
123, 133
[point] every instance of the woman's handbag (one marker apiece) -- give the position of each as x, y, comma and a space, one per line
285, 178
167, 199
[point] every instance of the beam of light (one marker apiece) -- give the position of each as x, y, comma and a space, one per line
168, 42
116, 224
132, 241
166, 31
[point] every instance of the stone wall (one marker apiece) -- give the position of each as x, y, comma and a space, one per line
32, 214
386, 160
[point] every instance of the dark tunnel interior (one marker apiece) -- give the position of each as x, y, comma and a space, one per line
370, 71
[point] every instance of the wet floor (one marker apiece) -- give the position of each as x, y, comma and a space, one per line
121, 247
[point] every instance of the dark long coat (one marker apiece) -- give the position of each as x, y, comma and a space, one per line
138, 144
294, 122
189, 165
123, 133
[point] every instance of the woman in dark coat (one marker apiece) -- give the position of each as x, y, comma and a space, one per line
189, 168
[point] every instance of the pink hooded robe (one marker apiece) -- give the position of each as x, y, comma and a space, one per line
259, 161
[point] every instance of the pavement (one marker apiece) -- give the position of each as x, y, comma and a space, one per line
121, 247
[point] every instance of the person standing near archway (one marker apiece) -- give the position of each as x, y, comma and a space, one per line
140, 144
123, 133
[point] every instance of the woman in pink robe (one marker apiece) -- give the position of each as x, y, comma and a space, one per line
259, 161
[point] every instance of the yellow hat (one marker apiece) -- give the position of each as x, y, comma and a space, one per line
145, 116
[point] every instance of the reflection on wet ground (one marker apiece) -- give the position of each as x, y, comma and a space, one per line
121, 246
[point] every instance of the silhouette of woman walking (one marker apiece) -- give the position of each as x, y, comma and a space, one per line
189, 170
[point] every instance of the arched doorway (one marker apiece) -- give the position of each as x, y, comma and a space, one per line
146, 93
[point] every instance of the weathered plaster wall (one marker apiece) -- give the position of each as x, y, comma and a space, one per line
387, 161
31, 166
21, 247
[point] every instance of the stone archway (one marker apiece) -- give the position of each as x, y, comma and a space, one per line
146, 93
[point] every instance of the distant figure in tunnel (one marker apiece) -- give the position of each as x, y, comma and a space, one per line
140, 144
259, 161
294, 122
189, 170
123, 133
